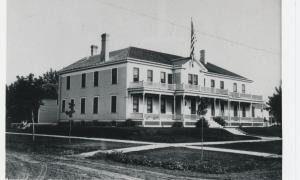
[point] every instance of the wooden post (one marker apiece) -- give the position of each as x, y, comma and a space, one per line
239, 112
228, 109
33, 137
159, 108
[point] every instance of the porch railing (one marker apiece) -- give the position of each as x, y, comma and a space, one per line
152, 85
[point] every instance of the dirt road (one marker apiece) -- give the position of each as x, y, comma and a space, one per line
21, 165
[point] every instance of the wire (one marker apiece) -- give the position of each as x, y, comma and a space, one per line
184, 27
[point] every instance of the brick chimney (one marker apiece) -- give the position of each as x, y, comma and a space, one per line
93, 49
202, 56
104, 55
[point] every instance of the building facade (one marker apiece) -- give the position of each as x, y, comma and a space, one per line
155, 89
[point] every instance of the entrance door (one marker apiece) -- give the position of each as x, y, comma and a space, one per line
193, 106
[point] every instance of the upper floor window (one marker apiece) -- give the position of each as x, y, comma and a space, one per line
163, 77
234, 87
195, 79
96, 78
221, 84
243, 88
113, 106
149, 75
82, 106
212, 83
204, 82
83, 80
95, 105
68, 82
114, 76
135, 104
136, 74
170, 78
190, 78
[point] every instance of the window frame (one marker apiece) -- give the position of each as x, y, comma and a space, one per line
96, 80
163, 77
243, 88
195, 79
135, 109
82, 111
97, 109
136, 70
212, 83
149, 105
111, 105
63, 105
83, 80
190, 79
114, 81
222, 85
150, 77
234, 87
68, 84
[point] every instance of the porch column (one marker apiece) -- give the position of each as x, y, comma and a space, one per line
182, 106
174, 106
143, 105
228, 109
239, 111
215, 107
159, 108
251, 113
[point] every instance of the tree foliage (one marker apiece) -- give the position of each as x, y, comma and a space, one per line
275, 105
202, 107
24, 96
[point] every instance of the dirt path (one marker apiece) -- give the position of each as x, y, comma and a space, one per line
34, 166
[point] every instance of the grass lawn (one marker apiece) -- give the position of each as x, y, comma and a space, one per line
264, 131
274, 147
170, 135
59, 145
190, 160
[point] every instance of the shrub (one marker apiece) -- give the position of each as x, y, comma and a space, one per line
130, 123
177, 124
220, 120
113, 123
199, 123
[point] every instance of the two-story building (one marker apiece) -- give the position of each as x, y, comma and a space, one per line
155, 89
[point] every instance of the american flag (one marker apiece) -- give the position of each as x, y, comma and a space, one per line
193, 40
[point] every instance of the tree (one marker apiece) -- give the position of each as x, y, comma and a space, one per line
275, 105
24, 96
202, 110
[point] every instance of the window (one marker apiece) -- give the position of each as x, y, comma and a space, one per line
170, 78
63, 106
68, 82
114, 75
135, 104
212, 83
234, 87
195, 79
113, 104
83, 79
243, 111
243, 88
136, 74
82, 106
96, 79
204, 82
163, 77
149, 75
190, 78
253, 111
95, 105
235, 111
163, 105
221, 84
149, 105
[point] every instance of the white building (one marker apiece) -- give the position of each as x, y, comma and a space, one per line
155, 89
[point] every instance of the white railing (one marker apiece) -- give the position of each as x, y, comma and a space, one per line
136, 115
193, 117
152, 85
151, 116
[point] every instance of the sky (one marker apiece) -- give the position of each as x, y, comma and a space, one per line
241, 36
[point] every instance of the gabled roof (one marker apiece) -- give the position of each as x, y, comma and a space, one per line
216, 69
142, 54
